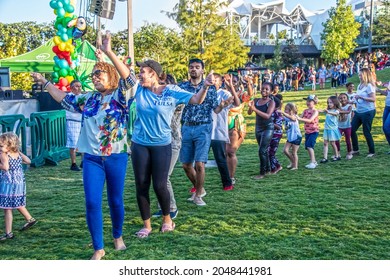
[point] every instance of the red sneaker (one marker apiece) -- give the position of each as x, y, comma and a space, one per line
228, 188
192, 190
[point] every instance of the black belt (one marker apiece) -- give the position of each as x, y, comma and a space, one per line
195, 123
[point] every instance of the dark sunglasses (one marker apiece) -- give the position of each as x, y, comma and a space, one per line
96, 73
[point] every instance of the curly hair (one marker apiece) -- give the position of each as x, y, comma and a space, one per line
11, 141
113, 75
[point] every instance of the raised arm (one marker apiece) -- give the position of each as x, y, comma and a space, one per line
56, 93
122, 69
291, 117
199, 97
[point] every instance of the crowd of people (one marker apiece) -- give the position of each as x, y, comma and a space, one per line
185, 121
297, 77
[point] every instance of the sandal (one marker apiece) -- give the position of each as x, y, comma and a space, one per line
143, 233
29, 224
167, 227
6, 236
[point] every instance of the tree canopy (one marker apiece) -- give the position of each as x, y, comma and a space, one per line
340, 32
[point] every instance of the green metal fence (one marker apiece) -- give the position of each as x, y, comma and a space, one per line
47, 135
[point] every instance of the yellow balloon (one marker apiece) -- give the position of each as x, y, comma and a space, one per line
73, 2
55, 12
62, 46
69, 78
68, 14
69, 42
57, 40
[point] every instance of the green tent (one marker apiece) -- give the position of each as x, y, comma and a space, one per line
41, 59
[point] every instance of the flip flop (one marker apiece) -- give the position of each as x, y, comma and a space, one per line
143, 233
29, 224
168, 227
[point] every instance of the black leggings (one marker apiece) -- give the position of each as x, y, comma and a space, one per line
151, 162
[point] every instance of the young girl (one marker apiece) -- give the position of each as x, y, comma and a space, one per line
331, 130
344, 123
294, 136
310, 118
264, 108
278, 133
12, 183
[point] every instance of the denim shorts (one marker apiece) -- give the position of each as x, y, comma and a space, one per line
196, 141
310, 140
296, 141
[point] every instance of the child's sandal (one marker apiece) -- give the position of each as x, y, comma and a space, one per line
6, 236
29, 224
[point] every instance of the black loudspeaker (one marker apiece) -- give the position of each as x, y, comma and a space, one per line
47, 103
103, 8
12, 94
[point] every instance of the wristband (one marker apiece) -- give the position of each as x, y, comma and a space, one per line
46, 85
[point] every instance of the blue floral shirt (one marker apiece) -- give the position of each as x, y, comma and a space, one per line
200, 113
104, 122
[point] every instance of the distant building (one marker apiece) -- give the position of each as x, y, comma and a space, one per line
261, 23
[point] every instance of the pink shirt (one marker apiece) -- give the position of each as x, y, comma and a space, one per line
310, 127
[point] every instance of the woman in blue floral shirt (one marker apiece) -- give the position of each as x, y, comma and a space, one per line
103, 140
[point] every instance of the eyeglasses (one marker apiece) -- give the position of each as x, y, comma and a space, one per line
96, 73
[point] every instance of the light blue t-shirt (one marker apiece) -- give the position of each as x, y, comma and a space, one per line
154, 114
292, 129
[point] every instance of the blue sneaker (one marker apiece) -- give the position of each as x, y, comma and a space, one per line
158, 214
173, 214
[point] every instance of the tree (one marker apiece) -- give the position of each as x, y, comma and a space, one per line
206, 35
165, 45
19, 38
291, 54
277, 61
381, 30
340, 32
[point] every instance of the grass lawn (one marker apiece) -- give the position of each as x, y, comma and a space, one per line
338, 211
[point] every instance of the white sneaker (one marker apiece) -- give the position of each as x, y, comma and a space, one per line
311, 165
349, 156
199, 201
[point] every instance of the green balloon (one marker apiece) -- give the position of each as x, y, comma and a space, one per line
63, 72
56, 68
55, 75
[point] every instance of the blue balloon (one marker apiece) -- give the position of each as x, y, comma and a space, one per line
53, 4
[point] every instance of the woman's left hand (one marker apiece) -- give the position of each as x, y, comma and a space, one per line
106, 42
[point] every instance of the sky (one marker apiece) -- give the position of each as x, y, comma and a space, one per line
143, 11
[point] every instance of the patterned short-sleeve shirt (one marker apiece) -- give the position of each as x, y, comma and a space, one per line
200, 113
104, 122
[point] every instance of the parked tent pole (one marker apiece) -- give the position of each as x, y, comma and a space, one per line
130, 28
371, 26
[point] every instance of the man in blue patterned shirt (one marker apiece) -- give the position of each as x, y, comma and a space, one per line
196, 129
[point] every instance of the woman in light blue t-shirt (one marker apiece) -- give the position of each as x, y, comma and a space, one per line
365, 111
151, 141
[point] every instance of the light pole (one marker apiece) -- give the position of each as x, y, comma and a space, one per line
371, 23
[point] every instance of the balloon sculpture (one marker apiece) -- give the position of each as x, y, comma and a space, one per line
69, 29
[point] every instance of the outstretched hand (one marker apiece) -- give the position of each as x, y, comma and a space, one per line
210, 79
228, 80
106, 42
38, 78
227, 102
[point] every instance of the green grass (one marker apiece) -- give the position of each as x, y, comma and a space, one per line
337, 211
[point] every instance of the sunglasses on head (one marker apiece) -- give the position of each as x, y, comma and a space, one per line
97, 73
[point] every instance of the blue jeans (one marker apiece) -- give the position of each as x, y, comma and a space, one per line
219, 151
96, 171
195, 143
263, 137
366, 120
386, 123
